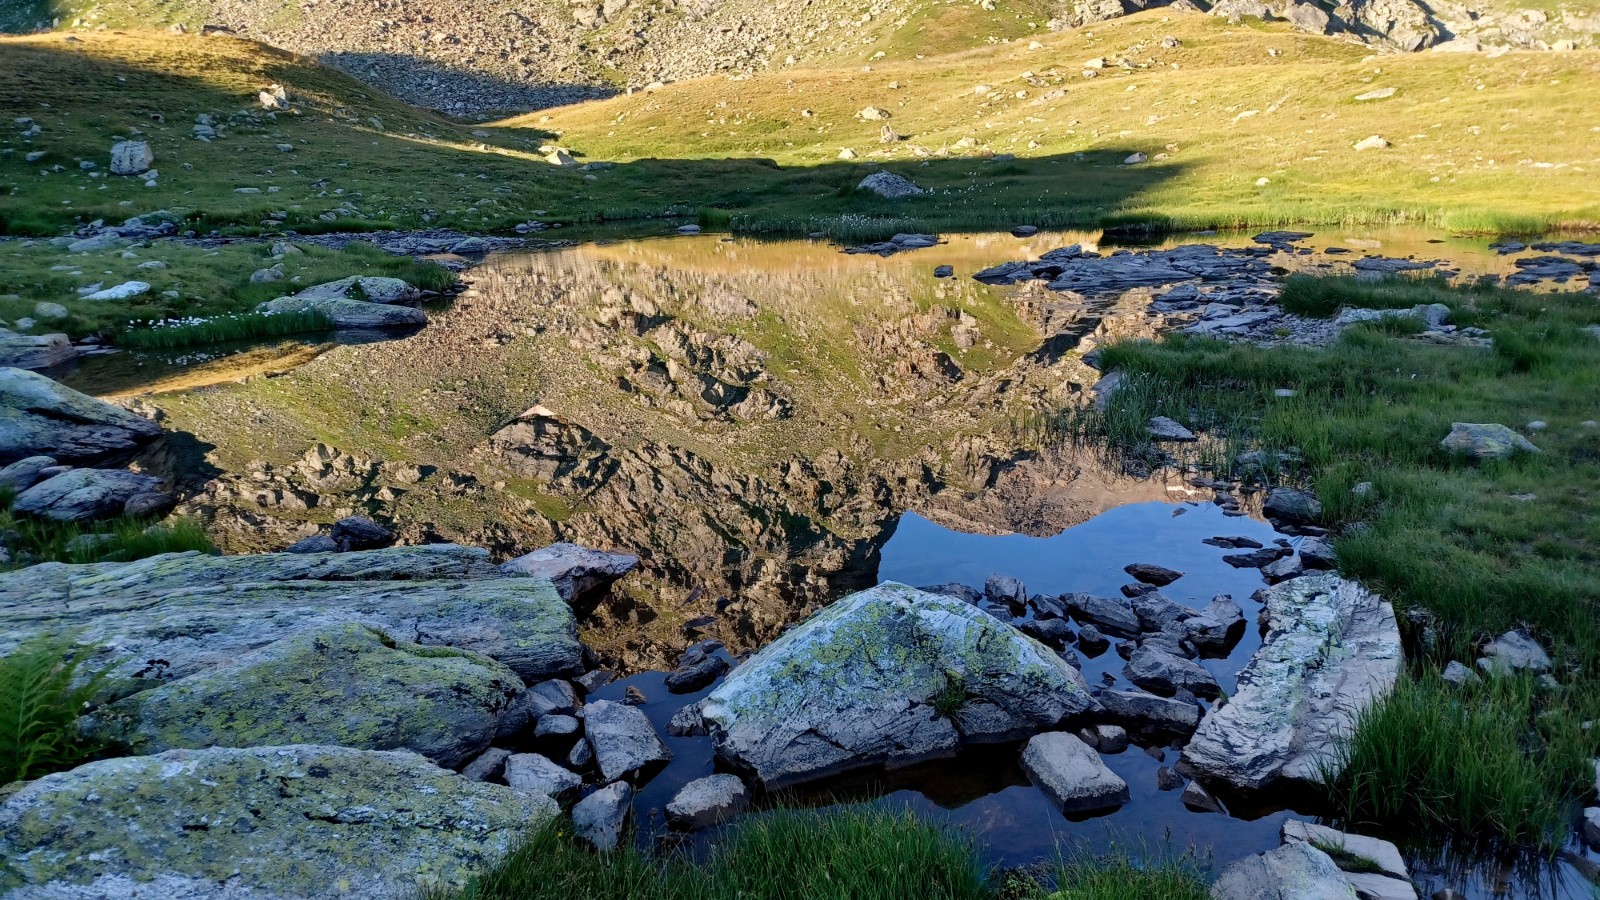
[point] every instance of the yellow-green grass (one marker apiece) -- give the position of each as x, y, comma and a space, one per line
207, 282
1481, 144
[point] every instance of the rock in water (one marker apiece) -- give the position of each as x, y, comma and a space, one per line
39, 416
708, 801
131, 158
267, 823
1485, 441
574, 570
86, 495
889, 185
1071, 773
1332, 649
349, 686
890, 675
34, 351
1296, 871
599, 817
623, 740
171, 616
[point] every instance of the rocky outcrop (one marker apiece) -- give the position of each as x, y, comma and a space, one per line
1332, 649
888, 676
175, 615
88, 495
356, 302
34, 351
349, 685
270, 823
39, 416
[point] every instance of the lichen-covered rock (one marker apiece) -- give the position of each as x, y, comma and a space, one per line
268, 823
1296, 871
1332, 649
39, 416
177, 614
349, 685
887, 676
1485, 441
344, 313
889, 185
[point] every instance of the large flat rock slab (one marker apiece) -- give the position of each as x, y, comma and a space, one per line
1332, 649
269, 823
39, 416
888, 676
171, 616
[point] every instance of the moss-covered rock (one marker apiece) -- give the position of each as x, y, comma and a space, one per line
349, 685
269, 823
171, 616
890, 675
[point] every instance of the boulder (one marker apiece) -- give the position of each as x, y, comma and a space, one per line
34, 351
349, 313
25, 472
707, 801
1514, 651
1149, 573
1006, 591
266, 823
124, 291
1332, 649
370, 288
1114, 617
574, 570
622, 738
1295, 871
131, 158
1071, 774
317, 543
1482, 442
360, 533
348, 685
488, 764
1293, 506
85, 495
599, 817
1307, 17
887, 676
533, 774
40, 417
1137, 709
1218, 627
690, 678
888, 185
1162, 672
1156, 613
171, 616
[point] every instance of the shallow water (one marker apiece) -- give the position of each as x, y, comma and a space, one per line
769, 425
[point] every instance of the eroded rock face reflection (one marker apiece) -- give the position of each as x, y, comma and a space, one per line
750, 418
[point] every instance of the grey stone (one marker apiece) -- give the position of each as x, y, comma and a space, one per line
343, 313
40, 417
534, 774
84, 495
317, 543
1155, 612
131, 158
1140, 710
562, 698
889, 185
266, 823
34, 351
360, 533
1091, 641
348, 685
1160, 576
599, 817
1218, 627
574, 570
687, 679
1591, 826
623, 740
1162, 672
1162, 428
173, 615
708, 801
1114, 617
1071, 774
1307, 17
1293, 506
26, 472
369, 288
1296, 871
1105, 738
124, 291
1459, 674
1485, 441
1514, 651
1380, 854
581, 756
1007, 591
487, 765
558, 728
1197, 798
863, 681
1283, 568
1331, 650
1317, 553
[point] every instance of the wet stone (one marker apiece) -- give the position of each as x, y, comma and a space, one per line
1149, 573
1071, 774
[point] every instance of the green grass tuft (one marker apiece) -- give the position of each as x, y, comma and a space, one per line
42, 692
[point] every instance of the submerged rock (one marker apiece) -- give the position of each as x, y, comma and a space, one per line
574, 570
1332, 649
263, 823
887, 676
1071, 774
39, 416
171, 616
348, 685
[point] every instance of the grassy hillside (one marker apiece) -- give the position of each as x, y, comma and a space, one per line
1242, 125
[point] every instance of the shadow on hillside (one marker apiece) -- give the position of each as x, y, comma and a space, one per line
433, 84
